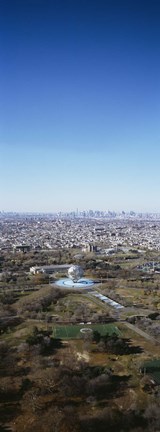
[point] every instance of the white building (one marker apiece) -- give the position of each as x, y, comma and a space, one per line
49, 269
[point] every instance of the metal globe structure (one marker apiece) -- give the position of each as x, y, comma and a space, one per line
75, 279
75, 272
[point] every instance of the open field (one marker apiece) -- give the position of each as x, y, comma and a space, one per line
74, 331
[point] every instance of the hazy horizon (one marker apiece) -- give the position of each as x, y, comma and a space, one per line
80, 105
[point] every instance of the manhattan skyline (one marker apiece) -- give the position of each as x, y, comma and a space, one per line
80, 105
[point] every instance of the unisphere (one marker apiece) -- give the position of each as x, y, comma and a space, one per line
75, 272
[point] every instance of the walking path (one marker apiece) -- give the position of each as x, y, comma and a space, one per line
141, 333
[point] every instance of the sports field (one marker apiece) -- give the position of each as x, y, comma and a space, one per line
153, 368
77, 331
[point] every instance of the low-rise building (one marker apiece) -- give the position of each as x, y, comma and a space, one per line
49, 269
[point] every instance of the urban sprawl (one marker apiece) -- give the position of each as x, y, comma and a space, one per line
84, 230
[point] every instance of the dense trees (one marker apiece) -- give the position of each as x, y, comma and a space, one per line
115, 344
43, 340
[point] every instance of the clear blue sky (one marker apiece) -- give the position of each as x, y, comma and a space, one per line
79, 105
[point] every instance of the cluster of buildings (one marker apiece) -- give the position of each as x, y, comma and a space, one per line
150, 267
24, 233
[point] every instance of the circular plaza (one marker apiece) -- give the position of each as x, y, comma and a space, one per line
69, 283
75, 279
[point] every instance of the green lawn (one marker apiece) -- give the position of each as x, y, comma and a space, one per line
156, 377
74, 331
152, 368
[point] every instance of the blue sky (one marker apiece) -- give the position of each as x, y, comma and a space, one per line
79, 105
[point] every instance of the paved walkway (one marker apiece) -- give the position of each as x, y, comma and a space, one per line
141, 333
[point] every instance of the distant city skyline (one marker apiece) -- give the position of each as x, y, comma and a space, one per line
89, 213
80, 105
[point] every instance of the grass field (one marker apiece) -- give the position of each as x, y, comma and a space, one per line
77, 331
153, 368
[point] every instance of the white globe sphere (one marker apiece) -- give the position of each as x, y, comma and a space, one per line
75, 272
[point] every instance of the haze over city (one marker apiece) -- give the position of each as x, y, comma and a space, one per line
80, 92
